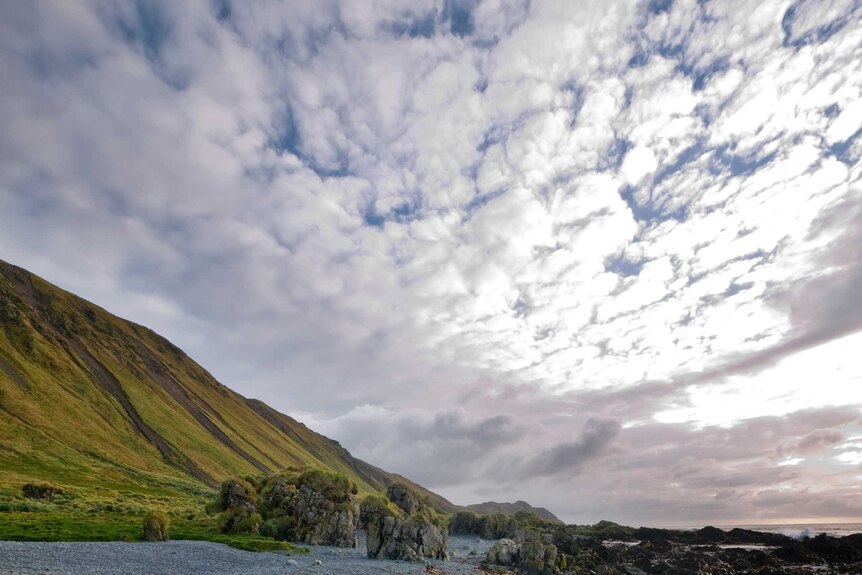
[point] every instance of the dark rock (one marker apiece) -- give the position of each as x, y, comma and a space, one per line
711, 534
749, 537
823, 549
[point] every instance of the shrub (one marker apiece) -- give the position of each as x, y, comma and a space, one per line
155, 527
237, 501
538, 558
278, 495
235, 491
374, 504
466, 523
239, 519
281, 529
332, 486
405, 497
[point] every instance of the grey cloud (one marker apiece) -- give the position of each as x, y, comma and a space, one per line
437, 449
594, 439
814, 442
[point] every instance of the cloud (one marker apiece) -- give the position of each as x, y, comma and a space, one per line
638, 163
817, 441
440, 448
550, 215
569, 457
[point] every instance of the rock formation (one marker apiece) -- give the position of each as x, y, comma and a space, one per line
531, 557
314, 507
238, 505
401, 526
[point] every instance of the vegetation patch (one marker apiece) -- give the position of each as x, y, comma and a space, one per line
155, 526
40, 491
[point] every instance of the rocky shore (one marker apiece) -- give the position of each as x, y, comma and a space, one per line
661, 552
709, 551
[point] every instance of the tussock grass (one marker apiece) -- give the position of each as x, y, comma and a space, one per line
97, 515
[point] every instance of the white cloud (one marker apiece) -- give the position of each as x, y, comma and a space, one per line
847, 123
818, 377
639, 163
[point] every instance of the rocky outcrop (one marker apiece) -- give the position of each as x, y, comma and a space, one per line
238, 505
530, 557
315, 507
390, 537
504, 552
393, 533
496, 526
323, 521
404, 498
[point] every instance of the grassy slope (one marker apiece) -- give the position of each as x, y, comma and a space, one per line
122, 418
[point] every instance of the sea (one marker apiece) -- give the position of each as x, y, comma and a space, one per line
800, 530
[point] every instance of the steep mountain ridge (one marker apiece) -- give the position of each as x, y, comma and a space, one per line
87, 398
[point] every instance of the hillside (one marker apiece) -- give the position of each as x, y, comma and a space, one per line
491, 507
89, 400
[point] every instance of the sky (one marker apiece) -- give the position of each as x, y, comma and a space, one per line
604, 256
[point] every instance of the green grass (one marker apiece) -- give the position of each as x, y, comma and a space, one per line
92, 516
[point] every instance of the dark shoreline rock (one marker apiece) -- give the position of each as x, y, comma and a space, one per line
709, 551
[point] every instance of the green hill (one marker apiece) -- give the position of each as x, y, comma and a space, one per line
491, 507
92, 402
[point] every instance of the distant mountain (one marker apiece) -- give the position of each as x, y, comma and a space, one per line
490, 507
87, 398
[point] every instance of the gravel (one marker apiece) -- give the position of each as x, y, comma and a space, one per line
203, 558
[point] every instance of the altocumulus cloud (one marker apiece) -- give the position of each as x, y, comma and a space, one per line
552, 250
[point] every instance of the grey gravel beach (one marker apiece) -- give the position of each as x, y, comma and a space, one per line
203, 558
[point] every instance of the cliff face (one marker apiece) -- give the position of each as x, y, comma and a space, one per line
89, 398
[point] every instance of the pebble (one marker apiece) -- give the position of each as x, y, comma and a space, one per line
204, 558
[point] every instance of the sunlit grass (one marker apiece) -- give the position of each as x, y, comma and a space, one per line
98, 515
